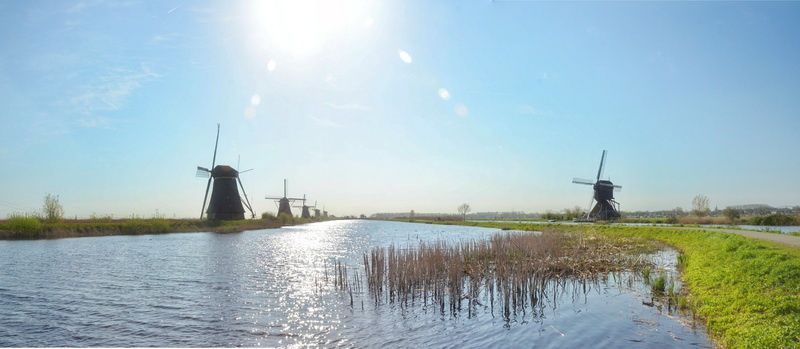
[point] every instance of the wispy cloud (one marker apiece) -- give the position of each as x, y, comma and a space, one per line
164, 37
348, 106
527, 109
324, 122
83, 5
109, 92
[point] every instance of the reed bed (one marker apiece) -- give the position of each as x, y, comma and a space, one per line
514, 271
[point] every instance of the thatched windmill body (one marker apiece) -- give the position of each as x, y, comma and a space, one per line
225, 203
606, 208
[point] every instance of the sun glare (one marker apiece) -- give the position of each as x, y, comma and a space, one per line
304, 27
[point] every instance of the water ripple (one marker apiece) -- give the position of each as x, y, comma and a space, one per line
268, 288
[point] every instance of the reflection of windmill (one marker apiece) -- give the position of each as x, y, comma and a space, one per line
305, 209
284, 203
225, 203
606, 208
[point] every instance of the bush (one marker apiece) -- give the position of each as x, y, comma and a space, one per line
268, 216
23, 226
774, 219
53, 211
286, 218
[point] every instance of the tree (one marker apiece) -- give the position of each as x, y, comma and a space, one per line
464, 209
53, 211
679, 211
732, 214
575, 212
700, 205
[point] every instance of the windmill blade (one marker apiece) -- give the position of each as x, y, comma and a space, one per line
602, 162
589, 210
208, 186
246, 200
582, 181
247, 170
216, 143
203, 172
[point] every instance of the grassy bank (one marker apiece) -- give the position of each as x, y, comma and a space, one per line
21, 228
748, 291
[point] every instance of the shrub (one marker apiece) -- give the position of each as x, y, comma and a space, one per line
24, 226
285, 218
774, 219
53, 211
268, 216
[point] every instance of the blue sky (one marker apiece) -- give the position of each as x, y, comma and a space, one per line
392, 106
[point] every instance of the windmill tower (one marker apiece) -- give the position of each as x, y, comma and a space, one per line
284, 203
606, 208
225, 203
305, 213
316, 210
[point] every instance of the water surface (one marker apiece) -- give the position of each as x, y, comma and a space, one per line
267, 288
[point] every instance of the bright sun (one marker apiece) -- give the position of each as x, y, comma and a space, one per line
303, 27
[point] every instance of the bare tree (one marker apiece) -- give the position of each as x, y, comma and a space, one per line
700, 205
464, 209
53, 211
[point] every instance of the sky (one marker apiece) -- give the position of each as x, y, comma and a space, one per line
392, 106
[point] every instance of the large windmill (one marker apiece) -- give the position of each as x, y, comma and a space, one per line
225, 203
284, 203
606, 208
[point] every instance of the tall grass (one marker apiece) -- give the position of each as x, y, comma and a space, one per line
23, 225
514, 270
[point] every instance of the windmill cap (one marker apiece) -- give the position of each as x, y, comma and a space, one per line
224, 171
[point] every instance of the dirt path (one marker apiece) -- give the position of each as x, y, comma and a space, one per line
785, 239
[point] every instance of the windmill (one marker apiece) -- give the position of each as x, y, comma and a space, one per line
606, 208
306, 213
316, 210
284, 203
225, 203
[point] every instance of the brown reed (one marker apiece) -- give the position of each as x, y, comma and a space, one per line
515, 269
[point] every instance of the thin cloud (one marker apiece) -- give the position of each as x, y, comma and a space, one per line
348, 106
164, 38
324, 122
108, 93
527, 109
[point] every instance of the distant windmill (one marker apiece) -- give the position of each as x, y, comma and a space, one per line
225, 203
284, 203
606, 208
316, 210
306, 213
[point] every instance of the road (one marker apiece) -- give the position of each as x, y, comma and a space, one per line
785, 239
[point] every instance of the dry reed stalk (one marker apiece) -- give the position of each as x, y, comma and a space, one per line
515, 268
